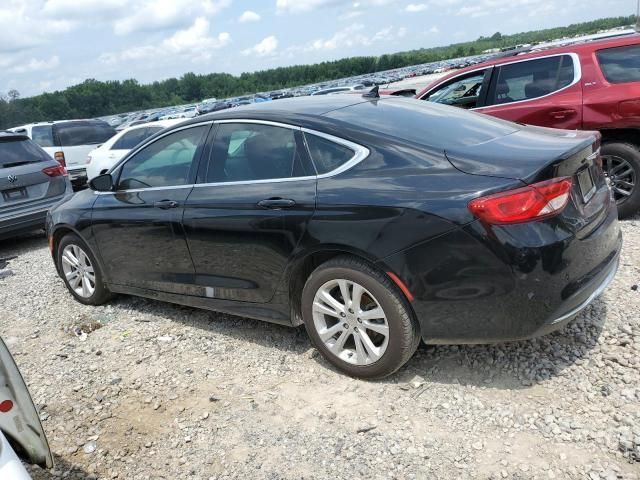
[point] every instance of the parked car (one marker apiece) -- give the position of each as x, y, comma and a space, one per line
21, 433
30, 182
332, 90
109, 153
69, 142
586, 86
374, 221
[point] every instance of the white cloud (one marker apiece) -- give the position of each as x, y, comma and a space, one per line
196, 38
35, 65
351, 15
266, 47
194, 43
297, 6
164, 14
352, 36
21, 30
416, 7
249, 16
433, 30
83, 8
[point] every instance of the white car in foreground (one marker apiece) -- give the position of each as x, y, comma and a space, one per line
19, 420
110, 152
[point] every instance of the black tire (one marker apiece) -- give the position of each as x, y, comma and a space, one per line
627, 206
100, 294
404, 334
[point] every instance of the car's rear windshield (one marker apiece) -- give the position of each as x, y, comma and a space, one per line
620, 64
425, 123
19, 151
71, 134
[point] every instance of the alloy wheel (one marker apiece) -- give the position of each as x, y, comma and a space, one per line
621, 174
350, 322
78, 271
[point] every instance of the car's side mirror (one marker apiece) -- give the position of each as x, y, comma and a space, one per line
102, 183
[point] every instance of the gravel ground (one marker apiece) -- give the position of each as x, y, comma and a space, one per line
141, 389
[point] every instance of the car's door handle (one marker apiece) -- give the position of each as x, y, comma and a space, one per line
561, 114
276, 203
165, 204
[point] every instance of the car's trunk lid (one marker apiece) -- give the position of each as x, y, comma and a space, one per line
554, 153
534, 154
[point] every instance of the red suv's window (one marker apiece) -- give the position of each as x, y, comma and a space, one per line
621, 64
529, 79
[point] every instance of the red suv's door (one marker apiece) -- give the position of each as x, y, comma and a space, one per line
544, 91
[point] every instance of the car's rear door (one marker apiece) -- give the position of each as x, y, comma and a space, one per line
246, 216
544, 91
138, 225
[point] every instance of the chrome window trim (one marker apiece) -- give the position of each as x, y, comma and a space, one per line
577, 76
360, 153
144, 145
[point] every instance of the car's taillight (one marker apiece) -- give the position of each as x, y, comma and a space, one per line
59, 157
533, 202
55, 171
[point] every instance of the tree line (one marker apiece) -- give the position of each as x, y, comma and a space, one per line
93, 98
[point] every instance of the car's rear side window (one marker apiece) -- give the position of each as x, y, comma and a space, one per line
42, 135
327, 155
620, 64
530, 79
15, 152
72, 134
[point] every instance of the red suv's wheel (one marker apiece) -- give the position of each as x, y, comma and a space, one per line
621, 163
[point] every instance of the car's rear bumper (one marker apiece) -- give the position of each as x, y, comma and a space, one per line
25, 220
468, 290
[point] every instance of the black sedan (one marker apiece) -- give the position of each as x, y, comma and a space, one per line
375, 222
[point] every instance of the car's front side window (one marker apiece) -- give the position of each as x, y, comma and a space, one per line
247, 152
529, 79
165, 162
464, 92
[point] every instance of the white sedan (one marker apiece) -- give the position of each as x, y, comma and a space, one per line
110, 152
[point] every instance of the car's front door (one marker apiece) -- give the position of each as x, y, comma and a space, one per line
542, 91
138, 226
248, 214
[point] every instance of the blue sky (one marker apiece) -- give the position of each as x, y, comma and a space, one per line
50, 44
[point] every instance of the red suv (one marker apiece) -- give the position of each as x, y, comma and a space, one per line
587, 86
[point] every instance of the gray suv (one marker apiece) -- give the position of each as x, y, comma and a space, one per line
30, 182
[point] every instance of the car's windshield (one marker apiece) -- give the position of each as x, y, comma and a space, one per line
14, 152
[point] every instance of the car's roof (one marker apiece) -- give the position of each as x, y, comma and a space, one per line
53, 122
5, 135
579, 47
286, 109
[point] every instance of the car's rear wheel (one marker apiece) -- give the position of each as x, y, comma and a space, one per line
621, 163
358, 319
81, 272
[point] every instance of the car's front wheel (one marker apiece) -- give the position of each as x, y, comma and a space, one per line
80, 271
358, 319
